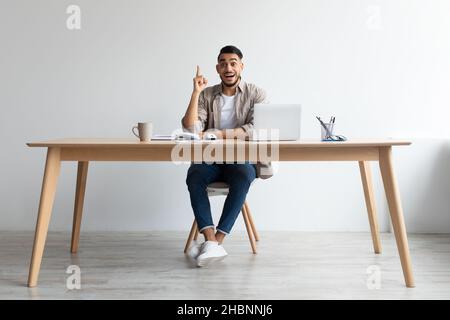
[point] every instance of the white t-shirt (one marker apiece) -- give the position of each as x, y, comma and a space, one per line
228, 118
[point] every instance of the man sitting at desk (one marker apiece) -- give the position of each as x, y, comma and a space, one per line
226, 110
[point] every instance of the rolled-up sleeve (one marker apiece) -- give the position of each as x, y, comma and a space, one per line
199, 124
260, 97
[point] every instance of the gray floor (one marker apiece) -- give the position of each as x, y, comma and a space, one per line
293, 265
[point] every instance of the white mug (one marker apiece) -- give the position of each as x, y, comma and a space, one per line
144, 131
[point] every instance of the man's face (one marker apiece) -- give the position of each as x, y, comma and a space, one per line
229, 68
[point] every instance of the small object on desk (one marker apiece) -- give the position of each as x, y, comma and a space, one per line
187, 136
163, 137
144, 131
337, 137
209, 136
327, 131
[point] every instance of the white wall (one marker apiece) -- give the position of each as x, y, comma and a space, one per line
381, 67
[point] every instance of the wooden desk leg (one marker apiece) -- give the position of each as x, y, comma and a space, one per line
366, 177
396, 212
79, 201
51, 173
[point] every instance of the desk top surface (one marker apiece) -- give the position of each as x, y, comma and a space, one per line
127, 142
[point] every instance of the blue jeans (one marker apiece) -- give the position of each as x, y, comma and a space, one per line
237, 176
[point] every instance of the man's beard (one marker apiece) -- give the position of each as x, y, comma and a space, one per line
233, 84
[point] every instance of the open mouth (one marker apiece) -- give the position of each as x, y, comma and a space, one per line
229, 76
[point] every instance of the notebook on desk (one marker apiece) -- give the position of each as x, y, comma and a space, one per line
163, 137
177, 136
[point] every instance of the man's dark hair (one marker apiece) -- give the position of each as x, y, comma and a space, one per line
230, 49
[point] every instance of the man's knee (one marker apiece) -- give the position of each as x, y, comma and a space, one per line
243, 177
195, 179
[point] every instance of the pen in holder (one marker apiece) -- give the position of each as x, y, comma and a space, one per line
327, 131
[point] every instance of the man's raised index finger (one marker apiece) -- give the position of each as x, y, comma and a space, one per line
198, 71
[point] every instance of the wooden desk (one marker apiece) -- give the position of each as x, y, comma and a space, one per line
85, 150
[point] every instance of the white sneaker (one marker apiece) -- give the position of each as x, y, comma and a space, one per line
194, 251
211, 251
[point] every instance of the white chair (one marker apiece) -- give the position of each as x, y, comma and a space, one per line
218, 189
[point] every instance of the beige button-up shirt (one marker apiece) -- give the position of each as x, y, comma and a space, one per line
209, 105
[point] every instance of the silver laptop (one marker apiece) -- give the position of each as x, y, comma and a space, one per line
276, 122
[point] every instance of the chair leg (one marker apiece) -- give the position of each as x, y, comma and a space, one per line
249, 229
196, 234
191, 236
252, 224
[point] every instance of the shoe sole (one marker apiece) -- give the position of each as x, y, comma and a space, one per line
206, 261
192, 256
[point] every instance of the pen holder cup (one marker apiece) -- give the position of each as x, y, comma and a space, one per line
325, 134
